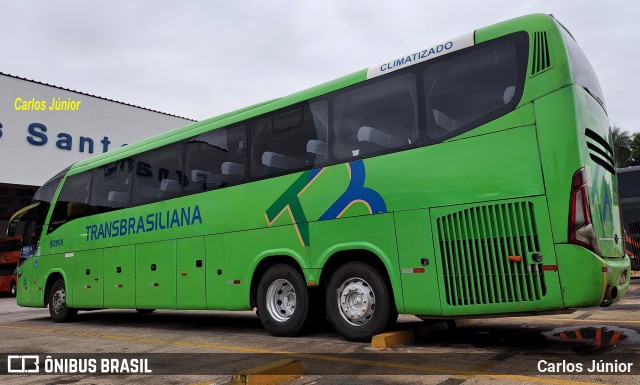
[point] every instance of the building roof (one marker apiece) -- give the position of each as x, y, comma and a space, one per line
94, 96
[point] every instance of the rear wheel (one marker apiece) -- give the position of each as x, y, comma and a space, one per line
13, 289
282, 301
358, 302
58, 303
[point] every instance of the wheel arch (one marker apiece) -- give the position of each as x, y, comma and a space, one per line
52, 277
266, 260
338, 255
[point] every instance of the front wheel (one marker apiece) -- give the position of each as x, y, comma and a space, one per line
58, 303
358, 302
13, 289
282, 301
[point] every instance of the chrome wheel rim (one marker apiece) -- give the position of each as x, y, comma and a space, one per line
356, 301
13, 289
281, 300
58, 302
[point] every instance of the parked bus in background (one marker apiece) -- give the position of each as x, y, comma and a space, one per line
474, 177
9, 258
629, 185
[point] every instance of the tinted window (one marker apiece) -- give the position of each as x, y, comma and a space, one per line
471, 88
111, 185
216, 159
583, 73
629, 184
377, 117
47, 191
73, 201
158, 174
290, 139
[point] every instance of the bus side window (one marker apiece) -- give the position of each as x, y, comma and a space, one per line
215, 159
291, 139
73, 201
111, 185
158, 174
467, 90
377, 117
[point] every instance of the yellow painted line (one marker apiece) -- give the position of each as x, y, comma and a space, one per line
144, 340
488, 364
269, 374
322, 357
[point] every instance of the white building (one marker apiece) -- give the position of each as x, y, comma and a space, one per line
44, 128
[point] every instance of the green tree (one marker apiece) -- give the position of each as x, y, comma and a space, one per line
635, 150
622, 147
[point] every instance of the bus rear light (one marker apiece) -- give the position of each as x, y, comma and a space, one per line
581, 231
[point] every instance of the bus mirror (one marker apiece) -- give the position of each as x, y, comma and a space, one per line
11, 229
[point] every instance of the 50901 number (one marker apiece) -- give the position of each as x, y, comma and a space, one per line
55, 242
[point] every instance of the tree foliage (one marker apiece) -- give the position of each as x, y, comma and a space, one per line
626, 147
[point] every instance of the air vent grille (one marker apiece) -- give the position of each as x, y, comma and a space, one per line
541, 60
479, 247
600, 151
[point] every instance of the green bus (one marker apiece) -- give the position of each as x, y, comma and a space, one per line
474, 177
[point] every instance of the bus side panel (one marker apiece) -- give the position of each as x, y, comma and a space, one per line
418, 265
492, 256
216, 286
88, 279
120, 277
560, 155
191, 277
156, 275
373, 233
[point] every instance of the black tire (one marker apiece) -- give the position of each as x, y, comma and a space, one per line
371, 310
145, 311
13, 289
274, 296
58, 303
393, 317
